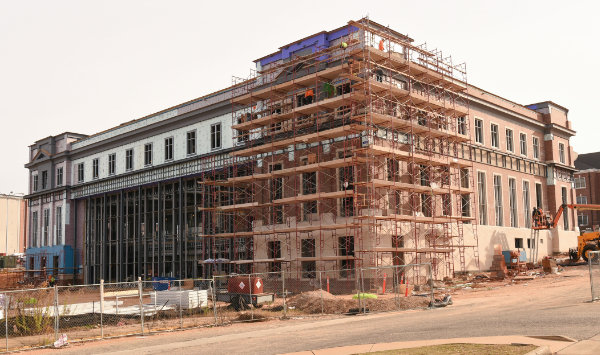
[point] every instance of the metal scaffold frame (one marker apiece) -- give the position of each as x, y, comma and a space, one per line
355, 155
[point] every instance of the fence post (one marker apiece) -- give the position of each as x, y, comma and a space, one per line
101, 308
250, 290
430, 271
56, 316
284, 293
181, 306
141, 303
362, 291
321, 289
6, 308
214, 298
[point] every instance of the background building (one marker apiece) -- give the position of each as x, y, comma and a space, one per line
587, 189
13, 218
350, 148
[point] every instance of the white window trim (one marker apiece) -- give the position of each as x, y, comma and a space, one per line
491, 140
526, 141
475, 119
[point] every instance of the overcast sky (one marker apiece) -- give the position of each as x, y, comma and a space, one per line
85, 66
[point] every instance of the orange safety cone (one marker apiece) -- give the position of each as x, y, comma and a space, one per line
384, 278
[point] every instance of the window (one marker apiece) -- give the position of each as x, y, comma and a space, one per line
523, 143
59, 176
276, 192
465, 203
512, 202
509, 140
526, 204
169, 147
190, 145
34, 229
215, 136
494, 134
462, 125
58, 222
536, 147
129, 159
464, 178
309, 186
44, 179
478, 131
309, 266
498, 199
35, 182
582, 200
566, 211
95, 171
274, 252
45, 226
346, 248
148, 154
561, 152
582, 219
482, 197
519, 243
580, 183
112, 158
80, 172
346, 182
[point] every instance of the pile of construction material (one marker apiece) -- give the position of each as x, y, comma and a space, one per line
185, 299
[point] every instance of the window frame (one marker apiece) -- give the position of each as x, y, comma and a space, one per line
112, 164
535, 141
561, 153
478, 128
578, 184
95, 168
35, 182
80, 172
129, 159
510, 143
59, 176
190, 142
148, 154
495, 135
168, 148
214, 137
523, 143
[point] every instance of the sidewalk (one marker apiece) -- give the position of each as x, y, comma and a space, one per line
584, 347
556, 344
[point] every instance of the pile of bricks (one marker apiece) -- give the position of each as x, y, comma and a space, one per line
498, 269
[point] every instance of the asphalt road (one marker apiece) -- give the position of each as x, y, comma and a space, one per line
549, 306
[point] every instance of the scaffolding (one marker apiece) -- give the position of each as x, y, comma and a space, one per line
355, 155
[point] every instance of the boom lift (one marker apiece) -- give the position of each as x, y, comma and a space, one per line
586, 242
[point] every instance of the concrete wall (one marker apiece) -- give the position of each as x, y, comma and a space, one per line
16, 224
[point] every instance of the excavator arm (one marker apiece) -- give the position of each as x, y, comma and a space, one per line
582, 207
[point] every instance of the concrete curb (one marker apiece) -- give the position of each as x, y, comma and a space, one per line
542, 350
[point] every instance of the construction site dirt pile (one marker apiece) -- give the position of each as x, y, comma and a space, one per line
321, 301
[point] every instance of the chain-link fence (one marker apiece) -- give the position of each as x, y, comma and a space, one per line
52, 315
594, 264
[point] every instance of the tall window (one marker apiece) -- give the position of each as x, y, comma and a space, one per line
512, 201
536, 147
34, 229
478, 131
526, 204
566, 211
582, 200
582, 219
58, 222
276, 192
112, 163
215, 136
509, 140
538, 195
482, 197
464, 178
309, 186
523, 143
494, 134
59, 176
45, 226
274, 252
580, 182
95, 172
35, 183
498, 199
80, 172
346, 248
148, 154
561, 152
308, 251
44, 179
129, 159
169, 147
191, 143
462, 125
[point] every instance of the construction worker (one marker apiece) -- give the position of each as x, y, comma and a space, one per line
308, 96
536, 215
51, 280
381, 45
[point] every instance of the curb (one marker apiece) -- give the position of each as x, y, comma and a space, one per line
542, 350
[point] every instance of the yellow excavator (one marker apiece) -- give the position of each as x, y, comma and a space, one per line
586, 241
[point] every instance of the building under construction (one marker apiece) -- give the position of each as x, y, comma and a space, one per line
348, 148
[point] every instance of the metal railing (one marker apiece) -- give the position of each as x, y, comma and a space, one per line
39, 317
